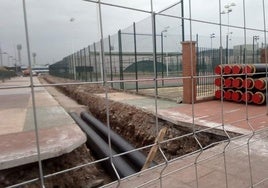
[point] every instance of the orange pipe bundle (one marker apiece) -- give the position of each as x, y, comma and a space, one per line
255, 68
228, 82
258, 98
237, 83
219, 94
219, 69
261, 83
219, 81
228, 69
237, 69
247, 96
237, 96
248, 83
228, 94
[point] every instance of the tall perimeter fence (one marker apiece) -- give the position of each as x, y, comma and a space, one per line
127, 55
149, 55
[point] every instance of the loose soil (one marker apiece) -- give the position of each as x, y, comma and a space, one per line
135, 125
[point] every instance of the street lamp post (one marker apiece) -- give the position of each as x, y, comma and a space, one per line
73, 55
255, 38
212, 36
19, 47
227, 47
228, 10
162, 51
34, 58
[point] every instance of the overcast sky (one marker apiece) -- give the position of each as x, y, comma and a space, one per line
53, 36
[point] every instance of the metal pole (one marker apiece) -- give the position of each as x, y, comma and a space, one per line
33, 97
197, 54
228, 20
85, 65
80, 64
182, 21
227, 54
162, 58
74, 65
70, 66
211, 51
253, 50
110, 58
135, 52
95, 58
91, 69
101, 44
120, 60
154, 52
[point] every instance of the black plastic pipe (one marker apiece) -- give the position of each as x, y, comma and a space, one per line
101, 150
255, 68
136, 157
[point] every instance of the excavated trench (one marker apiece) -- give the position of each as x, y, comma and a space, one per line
133, 124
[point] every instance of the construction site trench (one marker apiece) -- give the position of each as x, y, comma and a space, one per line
133, 124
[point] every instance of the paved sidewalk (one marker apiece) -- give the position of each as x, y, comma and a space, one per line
207, 115
210, 167
58, 133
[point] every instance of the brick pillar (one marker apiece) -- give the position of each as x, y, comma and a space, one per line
189, 68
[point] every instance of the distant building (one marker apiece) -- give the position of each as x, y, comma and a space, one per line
38, 69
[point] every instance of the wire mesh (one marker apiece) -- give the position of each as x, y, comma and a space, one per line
147, 58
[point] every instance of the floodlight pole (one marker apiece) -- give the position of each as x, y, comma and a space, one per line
212, 35
162, 51
253, 55
228, 11
73, 55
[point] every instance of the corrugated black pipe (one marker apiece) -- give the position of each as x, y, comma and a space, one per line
101, 150
136, 157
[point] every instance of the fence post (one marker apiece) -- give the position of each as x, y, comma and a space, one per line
69, 67
162, 58
95, 59
85, 65
89, 58
189, 70
80, 65
154, 52
135, 53
120, 60
75, 64
110, 58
